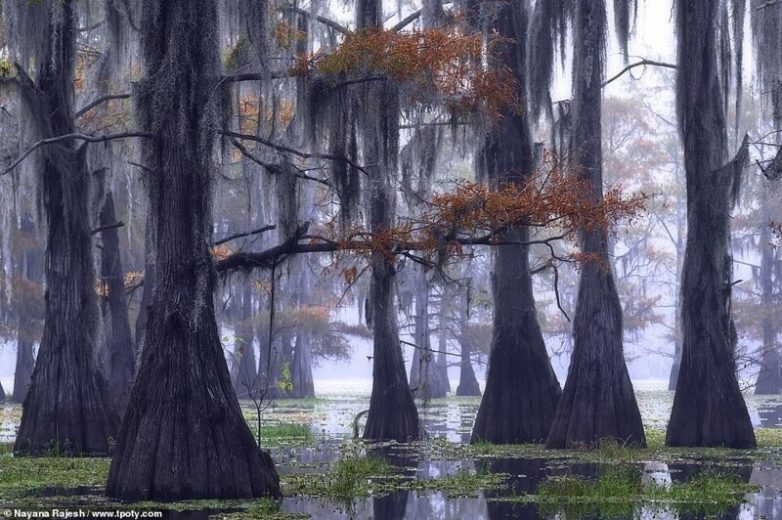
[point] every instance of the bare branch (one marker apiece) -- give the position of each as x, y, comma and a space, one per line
99, 101
75, 137
642, 63
286, 149
325, 21
246, 234
107, 227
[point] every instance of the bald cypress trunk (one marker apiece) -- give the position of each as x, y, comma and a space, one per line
246, 381
67, 407
769, 381
468, 383
119, 340
598, 399
426, 378
522, 390
392, 412
184, 436
708, 408
30, 268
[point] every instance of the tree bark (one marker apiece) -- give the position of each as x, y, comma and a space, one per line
598, 399
392, 412
708, 407
184, 436
119, 339
468, 383
522, 390
67, 407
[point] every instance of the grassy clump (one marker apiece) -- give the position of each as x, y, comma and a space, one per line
618, 490
287, 432
352, 476
31, 476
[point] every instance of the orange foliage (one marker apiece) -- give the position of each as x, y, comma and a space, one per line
442, 61
221, 252
473, 212
287, 36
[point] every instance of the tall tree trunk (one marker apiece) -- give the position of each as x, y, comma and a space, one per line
769, 379
426, 381
184, 436
301, 364
708, 407
598, 399
468, 383
677, 333
119, 340
246, 381
522, 390
67, 406
392, 412
31, 269
301, 368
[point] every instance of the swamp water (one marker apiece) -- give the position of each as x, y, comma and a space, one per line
326, 474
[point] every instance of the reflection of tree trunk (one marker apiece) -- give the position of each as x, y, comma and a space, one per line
31, 266
708, 407
184, 436
390, 507
119, 341
67, 405
598, 399
521, 389
770, 375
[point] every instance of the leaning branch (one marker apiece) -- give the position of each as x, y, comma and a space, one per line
258, 231
293, 151
325, 21
75, 137
99, 101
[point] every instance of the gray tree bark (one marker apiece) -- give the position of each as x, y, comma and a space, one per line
67, 407
184, 436
598, 400
522, 390
708, 407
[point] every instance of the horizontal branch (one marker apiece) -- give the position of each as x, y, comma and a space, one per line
108, 227
75, 137
271, 257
